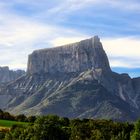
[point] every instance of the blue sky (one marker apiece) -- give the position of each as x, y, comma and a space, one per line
26, 25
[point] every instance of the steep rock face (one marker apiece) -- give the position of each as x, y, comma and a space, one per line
76, 57
7, 75
136, 86
74, 81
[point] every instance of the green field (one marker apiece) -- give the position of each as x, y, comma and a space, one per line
8, 124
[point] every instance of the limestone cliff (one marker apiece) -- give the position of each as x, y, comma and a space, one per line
76, 57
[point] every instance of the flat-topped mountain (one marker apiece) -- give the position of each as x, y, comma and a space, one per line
76, 57
73, 80
7, 75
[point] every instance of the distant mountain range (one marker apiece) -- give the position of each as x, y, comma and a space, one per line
73, 80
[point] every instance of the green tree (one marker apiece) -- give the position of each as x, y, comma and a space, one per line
96, 135
136, 133
21, 118
31, 119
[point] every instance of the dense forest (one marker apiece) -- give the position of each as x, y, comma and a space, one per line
52, 127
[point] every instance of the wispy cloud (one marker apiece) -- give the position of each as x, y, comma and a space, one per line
19, 36
128, 5
26, 25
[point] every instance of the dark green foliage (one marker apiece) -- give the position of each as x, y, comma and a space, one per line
21, 118
6, 116
45, 128
100, 130
52, 127
31, 119
3, 133
136, 133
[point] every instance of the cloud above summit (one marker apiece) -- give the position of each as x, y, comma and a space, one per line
26, 25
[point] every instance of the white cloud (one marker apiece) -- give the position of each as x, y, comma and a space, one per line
122, 47
72, 5
123, 63
66, 40
67, 6
123, 52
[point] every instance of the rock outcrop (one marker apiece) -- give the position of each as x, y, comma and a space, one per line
7, 75
74, 80
76, 57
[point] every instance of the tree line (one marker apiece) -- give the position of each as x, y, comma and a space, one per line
53, 127
22, 118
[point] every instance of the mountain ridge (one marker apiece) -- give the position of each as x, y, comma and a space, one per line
80, 84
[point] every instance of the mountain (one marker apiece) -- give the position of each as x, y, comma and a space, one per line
73, 80
76, 57
7, 75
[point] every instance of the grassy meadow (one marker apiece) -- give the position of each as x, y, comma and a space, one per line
9, 124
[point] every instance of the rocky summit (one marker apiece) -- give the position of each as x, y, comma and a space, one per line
76, 57
73, 80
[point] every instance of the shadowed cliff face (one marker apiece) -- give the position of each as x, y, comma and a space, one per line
73, 80
76, 57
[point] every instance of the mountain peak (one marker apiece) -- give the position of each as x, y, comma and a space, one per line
75, 57
96, 39
77, 76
